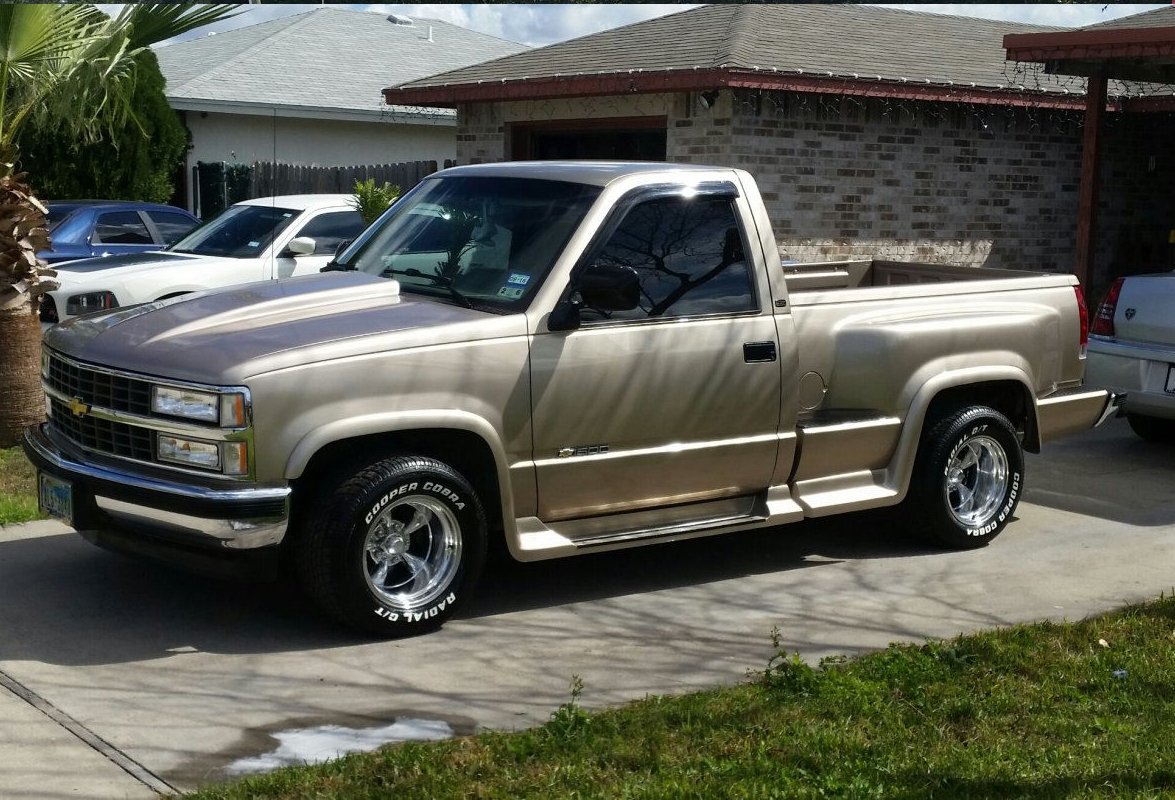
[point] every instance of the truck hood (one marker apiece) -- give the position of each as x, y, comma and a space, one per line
224, 336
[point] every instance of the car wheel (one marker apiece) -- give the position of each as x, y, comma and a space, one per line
967, 480
396, 548
1153, 429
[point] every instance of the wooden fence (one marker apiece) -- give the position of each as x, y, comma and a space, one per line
269, 178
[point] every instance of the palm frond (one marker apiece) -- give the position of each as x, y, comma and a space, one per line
149, 23
33, 36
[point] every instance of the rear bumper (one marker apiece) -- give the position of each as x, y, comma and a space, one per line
1075, 411
1140, 371
118, 505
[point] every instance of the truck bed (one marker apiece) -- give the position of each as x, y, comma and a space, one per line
823, 276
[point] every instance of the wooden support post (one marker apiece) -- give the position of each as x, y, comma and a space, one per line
1095, 109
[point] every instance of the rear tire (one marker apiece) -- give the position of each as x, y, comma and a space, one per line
967, 481
395, 549
1153, 429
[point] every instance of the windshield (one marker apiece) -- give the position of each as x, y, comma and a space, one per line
56, 215
240, 232
67, 227
486, 242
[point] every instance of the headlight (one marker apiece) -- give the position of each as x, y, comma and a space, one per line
231, 458
190, 452
228, 410
91, 301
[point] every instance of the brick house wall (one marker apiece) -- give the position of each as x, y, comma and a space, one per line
982, 186
909, 181
1136, 200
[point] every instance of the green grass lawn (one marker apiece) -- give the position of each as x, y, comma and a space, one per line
18, 487
1038, 711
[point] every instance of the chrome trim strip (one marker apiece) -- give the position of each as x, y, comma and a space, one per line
1105, 345
37, 441
231, 533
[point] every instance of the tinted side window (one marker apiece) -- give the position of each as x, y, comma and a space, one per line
331, 229
121, 227
171, 226
689, 255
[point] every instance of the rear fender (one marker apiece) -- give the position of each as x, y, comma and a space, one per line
1004, 388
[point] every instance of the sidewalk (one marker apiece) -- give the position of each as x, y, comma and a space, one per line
40, 757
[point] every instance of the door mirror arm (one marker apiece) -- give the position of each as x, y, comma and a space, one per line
565, 316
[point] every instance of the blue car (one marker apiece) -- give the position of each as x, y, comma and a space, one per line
88, 228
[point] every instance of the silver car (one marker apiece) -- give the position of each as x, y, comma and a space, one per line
1132, 350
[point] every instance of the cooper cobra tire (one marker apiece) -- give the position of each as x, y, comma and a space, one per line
967, 479
1153, 429
395, 549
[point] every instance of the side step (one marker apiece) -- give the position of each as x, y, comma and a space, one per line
680, 529
534, 539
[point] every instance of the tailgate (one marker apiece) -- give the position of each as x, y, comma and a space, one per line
1146, 309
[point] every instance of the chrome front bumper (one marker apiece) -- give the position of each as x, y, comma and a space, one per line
230, 518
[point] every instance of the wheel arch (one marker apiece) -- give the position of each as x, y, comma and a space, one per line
469, 446
1006, 390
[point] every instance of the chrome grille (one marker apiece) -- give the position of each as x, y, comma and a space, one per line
102, 435
99, 388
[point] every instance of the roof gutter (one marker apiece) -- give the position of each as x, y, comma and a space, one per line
1092, 43
679, 80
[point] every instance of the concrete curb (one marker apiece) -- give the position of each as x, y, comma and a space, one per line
29, 530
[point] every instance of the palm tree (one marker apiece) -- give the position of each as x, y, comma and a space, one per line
68, 66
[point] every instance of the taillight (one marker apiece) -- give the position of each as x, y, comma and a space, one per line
1103, 321
1083, 317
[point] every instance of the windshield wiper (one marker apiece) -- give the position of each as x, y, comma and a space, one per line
334, 266
440, 280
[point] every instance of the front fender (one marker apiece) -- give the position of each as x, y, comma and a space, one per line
404, 421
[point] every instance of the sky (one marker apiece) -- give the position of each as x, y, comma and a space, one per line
538, 25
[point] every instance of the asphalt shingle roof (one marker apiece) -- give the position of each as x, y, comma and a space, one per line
326, 58
1156, 18
842, 39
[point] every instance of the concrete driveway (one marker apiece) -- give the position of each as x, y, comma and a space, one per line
121, 678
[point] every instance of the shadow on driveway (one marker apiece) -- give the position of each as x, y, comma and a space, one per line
64, 601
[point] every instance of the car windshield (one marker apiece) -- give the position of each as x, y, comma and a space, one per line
67, 227
240, 232
480, 241
57, 215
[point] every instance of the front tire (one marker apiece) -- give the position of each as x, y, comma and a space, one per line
395, 549
967, 479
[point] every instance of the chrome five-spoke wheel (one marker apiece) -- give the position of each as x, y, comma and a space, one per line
412, 551
977, 481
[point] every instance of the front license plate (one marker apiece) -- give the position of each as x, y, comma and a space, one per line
56, 498
1170, 387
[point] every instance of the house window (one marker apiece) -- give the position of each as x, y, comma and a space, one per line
623, 139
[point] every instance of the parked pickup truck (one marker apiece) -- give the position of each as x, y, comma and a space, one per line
567, 357
1132, 350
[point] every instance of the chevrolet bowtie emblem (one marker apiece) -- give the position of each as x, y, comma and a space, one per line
78, 408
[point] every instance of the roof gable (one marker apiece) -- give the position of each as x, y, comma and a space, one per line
328, 58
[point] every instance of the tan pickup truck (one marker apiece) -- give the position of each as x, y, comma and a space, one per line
569, 358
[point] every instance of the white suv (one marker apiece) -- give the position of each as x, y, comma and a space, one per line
267, 238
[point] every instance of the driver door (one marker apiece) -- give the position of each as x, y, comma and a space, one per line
676, 401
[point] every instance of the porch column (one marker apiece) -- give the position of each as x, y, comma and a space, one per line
1095, 109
